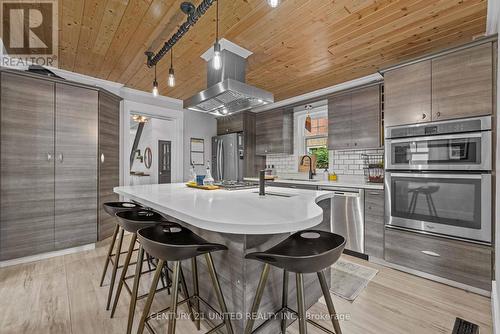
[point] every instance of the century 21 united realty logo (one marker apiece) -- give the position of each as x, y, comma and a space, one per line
29, 32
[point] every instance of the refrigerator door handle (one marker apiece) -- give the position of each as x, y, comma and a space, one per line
222, 159
219, 173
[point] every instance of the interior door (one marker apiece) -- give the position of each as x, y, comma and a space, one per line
164, 161
27, 166
76, 166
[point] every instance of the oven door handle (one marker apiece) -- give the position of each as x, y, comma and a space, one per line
439, 137
439, 176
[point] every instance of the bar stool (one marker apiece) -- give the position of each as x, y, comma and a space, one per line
112, 208
308, 251
132, 221
176, 244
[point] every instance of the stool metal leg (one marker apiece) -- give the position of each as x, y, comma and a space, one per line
151, 296
135, 288
110, 251
172, 318
301, 305
124, 273
218, 292
115, 267
186, 293
194, 268
329, 302
284, 301
258, 297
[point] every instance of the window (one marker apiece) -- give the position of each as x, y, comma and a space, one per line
316, 140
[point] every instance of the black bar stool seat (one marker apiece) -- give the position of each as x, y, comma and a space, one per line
112, 208
309, 251
303, 252
176, 244
131, 221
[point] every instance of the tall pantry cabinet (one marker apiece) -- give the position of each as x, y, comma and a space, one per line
50, 164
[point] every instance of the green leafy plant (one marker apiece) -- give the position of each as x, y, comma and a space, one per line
321, 154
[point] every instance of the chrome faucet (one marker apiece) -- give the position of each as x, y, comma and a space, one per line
310, 165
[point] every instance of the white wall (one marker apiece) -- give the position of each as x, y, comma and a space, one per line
198, 125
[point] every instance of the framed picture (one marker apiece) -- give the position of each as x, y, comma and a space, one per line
198, 151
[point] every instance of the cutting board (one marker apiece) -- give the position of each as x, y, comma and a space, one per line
304, 168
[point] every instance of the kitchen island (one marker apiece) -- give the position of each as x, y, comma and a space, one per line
245, 222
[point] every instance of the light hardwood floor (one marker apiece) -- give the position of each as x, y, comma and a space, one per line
62, 295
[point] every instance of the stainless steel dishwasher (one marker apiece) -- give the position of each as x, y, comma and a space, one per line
347, 216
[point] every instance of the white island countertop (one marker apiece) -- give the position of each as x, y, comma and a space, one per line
236, 211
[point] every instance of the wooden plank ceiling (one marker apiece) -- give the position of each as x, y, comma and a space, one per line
298, 47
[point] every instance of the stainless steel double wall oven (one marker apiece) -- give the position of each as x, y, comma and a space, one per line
438, 178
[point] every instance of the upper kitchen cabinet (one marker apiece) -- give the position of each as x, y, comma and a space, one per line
274, 132
455, 84
230, 123
354, 119
462, 83
407, 94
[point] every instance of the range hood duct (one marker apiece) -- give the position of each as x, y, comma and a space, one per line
227, 91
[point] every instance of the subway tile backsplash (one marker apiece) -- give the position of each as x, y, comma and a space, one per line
341, 162
349, 162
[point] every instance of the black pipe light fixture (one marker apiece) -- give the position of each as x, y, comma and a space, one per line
217, 61
171, 75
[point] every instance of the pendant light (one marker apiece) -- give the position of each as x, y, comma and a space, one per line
217, 61
155, 85
171, 76
273, 3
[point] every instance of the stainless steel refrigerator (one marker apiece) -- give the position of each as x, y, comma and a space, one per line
228, 157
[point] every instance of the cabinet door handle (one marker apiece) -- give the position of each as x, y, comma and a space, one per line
431, 253
102, 158
374, 193
61, 157
49, 157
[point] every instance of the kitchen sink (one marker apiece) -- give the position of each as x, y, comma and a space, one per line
313, 180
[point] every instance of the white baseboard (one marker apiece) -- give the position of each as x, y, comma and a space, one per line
48, 255
495, 310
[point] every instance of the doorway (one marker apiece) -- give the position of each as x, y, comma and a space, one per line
164, 161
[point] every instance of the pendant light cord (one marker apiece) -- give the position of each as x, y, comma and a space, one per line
172, 58
217, 21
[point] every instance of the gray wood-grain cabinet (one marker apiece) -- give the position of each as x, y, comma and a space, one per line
455, 260
108, 160
354, 119
49, 173
274, 132
459, 83
26, 167
374, 223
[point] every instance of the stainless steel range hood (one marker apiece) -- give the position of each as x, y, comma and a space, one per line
227, 91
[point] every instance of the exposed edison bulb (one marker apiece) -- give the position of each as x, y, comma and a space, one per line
273, 3
217, 61
155, 88
171, 77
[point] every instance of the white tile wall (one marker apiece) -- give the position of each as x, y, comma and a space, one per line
340, 161
283, 163
349, 162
